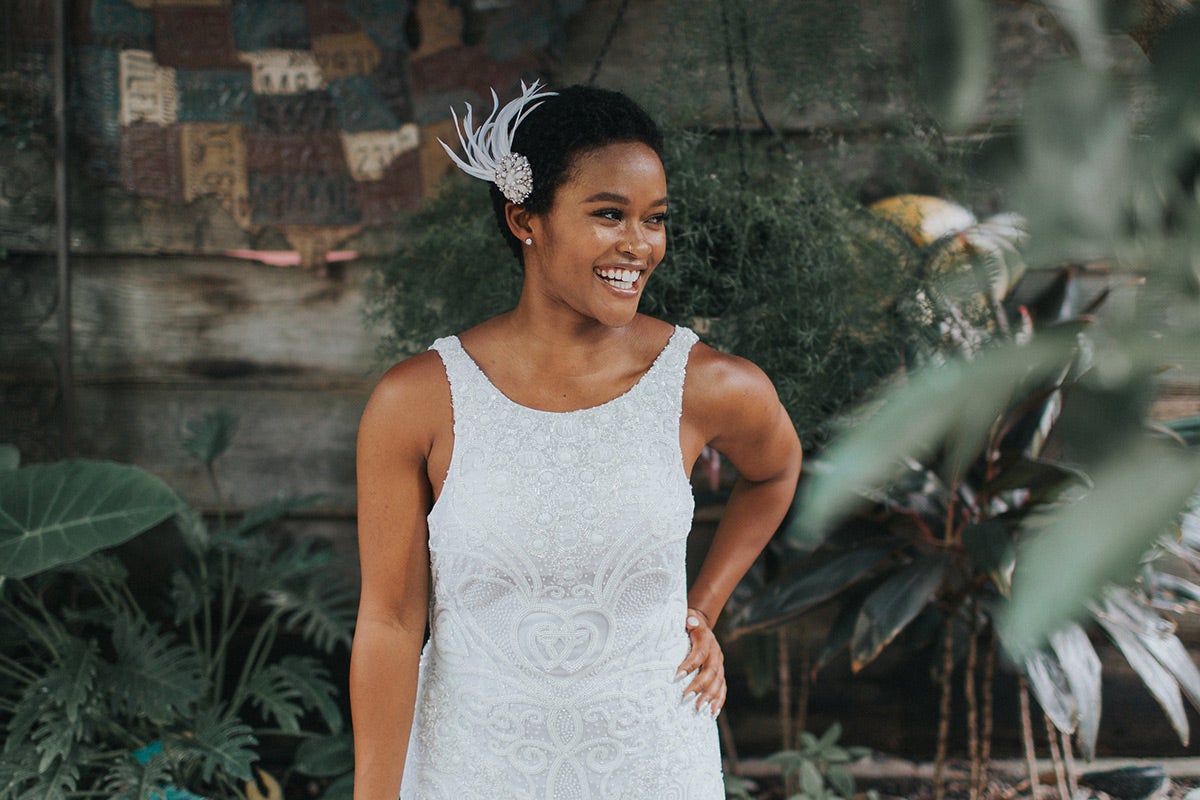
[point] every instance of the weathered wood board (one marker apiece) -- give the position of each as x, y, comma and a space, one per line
203, 319
289, 441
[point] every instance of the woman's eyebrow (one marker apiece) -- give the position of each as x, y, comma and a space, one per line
610, 197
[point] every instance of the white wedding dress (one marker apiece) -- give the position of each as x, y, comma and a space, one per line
559, 599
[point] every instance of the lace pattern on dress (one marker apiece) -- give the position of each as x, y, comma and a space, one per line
557, 620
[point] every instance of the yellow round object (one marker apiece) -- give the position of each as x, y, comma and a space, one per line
924, 218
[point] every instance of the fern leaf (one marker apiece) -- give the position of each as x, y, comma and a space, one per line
194, 531
17, 768
311, 681
271, 690
217, 744
55, 781
152, 676
70, 681
54, 737
323, 613
128, 779
188, 595
50, 714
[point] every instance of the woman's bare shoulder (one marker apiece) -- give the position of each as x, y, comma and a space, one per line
411, 400
719, 379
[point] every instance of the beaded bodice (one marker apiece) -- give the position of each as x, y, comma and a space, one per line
557, 618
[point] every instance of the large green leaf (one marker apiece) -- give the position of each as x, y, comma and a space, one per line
326, 756
954, 404
1096, 540
795, 594
52, 514
954, 53
1081, 667
892, 606
1076, 168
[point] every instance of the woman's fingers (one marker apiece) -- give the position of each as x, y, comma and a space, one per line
707, 661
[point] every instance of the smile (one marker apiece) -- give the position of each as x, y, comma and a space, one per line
619, 278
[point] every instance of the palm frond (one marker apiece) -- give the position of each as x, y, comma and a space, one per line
129, 779
152, 676
50, 713
217, 744
310, 679
55, 781
323, 613
272, 692
188, 594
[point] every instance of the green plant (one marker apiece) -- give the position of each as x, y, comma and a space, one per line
820, 766
196, 671
959, 503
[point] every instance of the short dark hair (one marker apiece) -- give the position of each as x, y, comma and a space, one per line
574, 121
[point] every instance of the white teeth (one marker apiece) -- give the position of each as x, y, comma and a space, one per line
621, 278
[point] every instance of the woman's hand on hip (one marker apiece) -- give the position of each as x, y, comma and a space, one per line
707, 687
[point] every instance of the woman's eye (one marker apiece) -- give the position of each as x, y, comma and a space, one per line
658, 219
610, 213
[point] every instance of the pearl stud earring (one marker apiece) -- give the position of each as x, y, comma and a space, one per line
529, 240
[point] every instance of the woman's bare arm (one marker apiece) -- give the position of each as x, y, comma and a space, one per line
732, 406
394, 496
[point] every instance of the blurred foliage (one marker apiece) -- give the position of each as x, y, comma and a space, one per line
108, 691
1016, 479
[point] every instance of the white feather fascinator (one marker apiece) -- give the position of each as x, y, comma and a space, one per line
487, 152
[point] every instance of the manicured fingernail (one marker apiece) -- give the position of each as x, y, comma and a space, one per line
693, 621
688, 697
704, 708
715, 711
680, 675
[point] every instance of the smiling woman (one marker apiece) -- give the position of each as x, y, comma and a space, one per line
523, 488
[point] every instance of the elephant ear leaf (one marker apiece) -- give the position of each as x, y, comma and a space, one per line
53, 514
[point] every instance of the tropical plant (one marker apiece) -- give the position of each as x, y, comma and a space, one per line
961, 499
129, 688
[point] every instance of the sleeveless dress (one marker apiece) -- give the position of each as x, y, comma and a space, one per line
558, 602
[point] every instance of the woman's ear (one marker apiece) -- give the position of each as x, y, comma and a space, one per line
520, 221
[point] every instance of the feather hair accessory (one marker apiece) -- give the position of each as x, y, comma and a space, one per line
487, 152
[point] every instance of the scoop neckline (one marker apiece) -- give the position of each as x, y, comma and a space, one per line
641, 379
